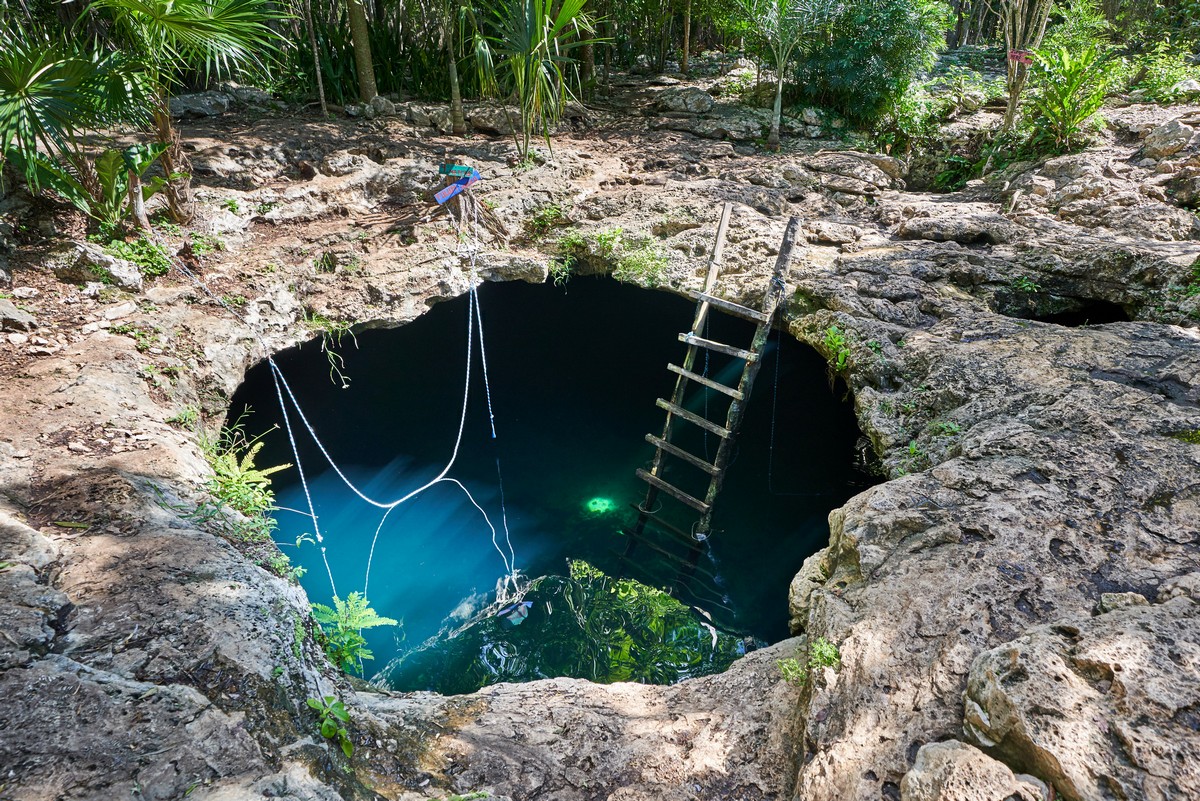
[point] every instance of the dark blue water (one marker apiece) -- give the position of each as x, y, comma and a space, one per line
574, 374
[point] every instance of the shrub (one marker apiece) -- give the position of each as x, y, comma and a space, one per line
1069, 89
1156, 72
869, 54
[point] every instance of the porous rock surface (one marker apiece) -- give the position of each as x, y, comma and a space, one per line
983, 598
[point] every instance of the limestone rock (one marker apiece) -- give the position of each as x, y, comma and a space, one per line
1189, 87
84, 262
955, 771
812, 575
13, 319
966, 229
1097, 707
201, 104
688, 99
490, 120
342, 162
1167, 140
382, 106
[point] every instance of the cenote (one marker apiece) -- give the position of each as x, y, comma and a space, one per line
574, 373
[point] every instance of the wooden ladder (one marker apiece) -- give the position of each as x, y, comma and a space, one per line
726, 431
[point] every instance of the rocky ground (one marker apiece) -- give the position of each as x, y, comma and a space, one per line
1017, 607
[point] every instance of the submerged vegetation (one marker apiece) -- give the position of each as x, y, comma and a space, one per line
586, 624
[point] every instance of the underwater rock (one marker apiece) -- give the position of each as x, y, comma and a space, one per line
586, 625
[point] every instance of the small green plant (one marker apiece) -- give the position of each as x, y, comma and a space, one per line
641, 263
1023, 283
204, 244
331, 332
150, 258
914, 459
838, 347
230, 204
144, 337
824, 654
821, 654
1191, 437
326, 262
607, 242
237, 301
342, 627
1160, 69
792, 671
946, 428
281, 565
333, 721
543, 220
265, 207
560, 271
237, 482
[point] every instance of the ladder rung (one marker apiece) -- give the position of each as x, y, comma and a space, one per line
663, 524
706, 381
694, 419
674, 492
728, 350
729, 307
680, 453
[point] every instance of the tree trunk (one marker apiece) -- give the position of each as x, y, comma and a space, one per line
458, 121
137, 204
360, 38
687, 37
587, 71
777, 114
312, 42
1024, 24
181, 204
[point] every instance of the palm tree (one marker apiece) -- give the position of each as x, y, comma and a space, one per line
50, 95
217, 36
530, 49
782, 24
360, 39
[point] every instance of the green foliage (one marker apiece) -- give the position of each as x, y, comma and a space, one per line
144, 337
204, 244
838, 347
530, 46
643, 263
1069, 89
1077, 26
792, 671
868, 54
51, 93
544, 219
333, 721
342, 627
821, 654
331, 333
1024, 283
187, 418
824, 654
150, 257
1191, 437
218, 37
1157, 71
946, 428
237, 482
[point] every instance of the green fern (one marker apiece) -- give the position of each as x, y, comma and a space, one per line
238, 483
342, 629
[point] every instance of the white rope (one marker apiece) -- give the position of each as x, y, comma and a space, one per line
282, 385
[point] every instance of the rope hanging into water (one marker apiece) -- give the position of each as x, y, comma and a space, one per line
282, 387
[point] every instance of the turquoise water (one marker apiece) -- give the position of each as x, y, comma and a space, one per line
574, 373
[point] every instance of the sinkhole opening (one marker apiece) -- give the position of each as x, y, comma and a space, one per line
572, 375
1071, 312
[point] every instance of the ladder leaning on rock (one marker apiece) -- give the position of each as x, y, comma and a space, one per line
726, 432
